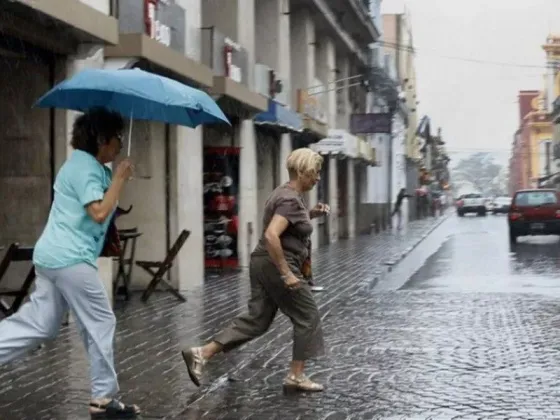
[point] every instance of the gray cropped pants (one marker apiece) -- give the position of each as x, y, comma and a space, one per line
79, 289
268, 295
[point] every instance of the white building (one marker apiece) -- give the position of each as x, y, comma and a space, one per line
281, 70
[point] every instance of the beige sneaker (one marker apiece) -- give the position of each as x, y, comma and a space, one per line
301, 383
195, 363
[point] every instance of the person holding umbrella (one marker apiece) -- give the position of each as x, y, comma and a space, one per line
80, 224
65, 259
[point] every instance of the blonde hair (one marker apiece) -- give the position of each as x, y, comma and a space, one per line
304, 161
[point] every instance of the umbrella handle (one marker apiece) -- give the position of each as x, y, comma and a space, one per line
129, 135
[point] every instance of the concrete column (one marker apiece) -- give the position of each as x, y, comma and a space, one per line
246, 34
326, 62
248, 200
284, 53
285, 150
343, 107
193, 23
302, 47
333, 198
186, 204
351, 188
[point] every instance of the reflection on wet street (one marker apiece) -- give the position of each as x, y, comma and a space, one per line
477, 256
470, 332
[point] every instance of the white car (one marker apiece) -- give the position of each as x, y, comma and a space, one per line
501, 205
471, 203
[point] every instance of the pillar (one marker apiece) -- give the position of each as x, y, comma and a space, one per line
248, 201
333, 198
285, 150
246, 34
343, 106
351, 188
186, 204
302, 48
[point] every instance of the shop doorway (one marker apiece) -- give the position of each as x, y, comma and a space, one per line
26, 141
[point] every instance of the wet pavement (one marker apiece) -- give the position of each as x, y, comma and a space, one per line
468, 332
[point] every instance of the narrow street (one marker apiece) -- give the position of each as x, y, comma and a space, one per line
462, 327
471, 334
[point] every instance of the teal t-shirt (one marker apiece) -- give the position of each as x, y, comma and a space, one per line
71, 236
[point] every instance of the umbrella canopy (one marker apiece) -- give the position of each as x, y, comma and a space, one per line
135, 94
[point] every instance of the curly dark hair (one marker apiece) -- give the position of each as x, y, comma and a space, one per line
95, 128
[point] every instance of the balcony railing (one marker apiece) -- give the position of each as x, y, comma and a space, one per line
225, 56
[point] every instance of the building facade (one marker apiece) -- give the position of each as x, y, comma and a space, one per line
552, 50
286, 73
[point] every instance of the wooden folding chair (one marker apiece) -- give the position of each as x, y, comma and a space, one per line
125, 264
158, 269
15, 253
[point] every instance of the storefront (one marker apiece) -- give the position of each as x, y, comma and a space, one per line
340, 149
229, 63
168, 159
274, 127
34, 141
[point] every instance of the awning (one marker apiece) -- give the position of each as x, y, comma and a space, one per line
278, 116
338, 142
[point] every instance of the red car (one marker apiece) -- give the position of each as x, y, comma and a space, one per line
534, 212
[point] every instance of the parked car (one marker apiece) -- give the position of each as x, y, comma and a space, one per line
471, 203
534, 212
501, 205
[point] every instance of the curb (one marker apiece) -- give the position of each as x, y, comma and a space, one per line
390, 264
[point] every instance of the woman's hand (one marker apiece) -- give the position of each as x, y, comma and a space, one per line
291, 281
319, 210
124, 170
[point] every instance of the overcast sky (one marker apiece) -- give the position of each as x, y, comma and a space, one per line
476, 103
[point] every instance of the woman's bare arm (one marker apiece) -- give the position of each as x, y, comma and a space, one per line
100, 210
275, 228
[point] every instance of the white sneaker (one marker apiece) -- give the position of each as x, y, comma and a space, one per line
317, 288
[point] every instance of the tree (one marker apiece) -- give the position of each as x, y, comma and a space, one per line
480, 171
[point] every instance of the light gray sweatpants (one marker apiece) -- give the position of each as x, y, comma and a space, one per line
79, 289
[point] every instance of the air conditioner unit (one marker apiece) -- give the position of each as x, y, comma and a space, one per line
262, 79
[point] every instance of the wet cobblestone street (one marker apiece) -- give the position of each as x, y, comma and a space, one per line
471, 332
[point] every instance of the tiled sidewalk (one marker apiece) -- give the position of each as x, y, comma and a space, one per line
53, 383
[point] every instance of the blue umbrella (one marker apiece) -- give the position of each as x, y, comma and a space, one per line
135, 94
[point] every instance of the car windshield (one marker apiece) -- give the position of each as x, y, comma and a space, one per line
472, 196
535, 198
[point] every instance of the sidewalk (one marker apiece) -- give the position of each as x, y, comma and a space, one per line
53, 382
